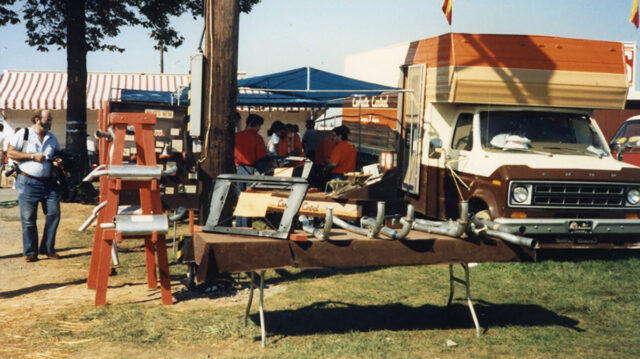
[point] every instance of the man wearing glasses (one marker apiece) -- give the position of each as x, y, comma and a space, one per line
34, 151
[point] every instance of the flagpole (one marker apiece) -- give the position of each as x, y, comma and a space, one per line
447, 9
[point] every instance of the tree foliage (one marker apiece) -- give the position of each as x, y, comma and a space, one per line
7, 15
46, 23
81, 26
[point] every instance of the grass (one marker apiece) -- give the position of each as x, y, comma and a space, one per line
537, 310
549, 309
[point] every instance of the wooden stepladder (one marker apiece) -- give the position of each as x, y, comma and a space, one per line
120, 178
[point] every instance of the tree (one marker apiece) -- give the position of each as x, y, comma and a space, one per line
220, 92
81, 26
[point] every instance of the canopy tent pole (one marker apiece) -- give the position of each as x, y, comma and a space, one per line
359, 123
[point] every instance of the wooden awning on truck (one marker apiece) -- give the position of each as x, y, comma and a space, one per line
522, 70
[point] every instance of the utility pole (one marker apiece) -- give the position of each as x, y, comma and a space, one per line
219, 94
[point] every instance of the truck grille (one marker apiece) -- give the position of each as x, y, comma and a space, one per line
578, 195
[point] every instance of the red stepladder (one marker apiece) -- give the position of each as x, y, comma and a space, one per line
144, 176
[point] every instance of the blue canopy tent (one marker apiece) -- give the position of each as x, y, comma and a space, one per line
316, 86
164, 97
305, 87
262, 98
302, 87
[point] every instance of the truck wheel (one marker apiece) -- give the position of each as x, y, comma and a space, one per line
484, 214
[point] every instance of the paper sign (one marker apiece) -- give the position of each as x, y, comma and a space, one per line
252, 204
175, 132
283, 172
176, 145
160, 113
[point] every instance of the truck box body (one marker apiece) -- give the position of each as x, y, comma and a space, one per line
505, 122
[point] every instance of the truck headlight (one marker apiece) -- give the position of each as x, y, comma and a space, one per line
520, 194
633, 196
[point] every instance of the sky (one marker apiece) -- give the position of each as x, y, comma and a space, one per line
284, 34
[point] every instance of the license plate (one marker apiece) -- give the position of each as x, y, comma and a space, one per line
580, 226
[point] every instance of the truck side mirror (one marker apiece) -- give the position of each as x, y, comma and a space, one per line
434, 145
617, 150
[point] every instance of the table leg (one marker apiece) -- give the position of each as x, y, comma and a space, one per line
262, 324
251, 287
467, 284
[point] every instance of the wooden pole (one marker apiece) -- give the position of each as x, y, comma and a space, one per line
220, 93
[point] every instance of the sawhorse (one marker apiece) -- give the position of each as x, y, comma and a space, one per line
106, 231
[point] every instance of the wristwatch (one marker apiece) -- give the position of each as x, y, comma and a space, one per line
33, 156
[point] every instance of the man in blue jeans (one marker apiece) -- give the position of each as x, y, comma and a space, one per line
34, 152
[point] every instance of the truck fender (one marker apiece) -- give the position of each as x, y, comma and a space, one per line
489, 200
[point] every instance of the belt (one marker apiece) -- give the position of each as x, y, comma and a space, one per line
42, 179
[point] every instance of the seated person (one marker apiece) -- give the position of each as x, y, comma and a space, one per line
343, 155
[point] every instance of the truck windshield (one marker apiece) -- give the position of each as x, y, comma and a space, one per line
548, 131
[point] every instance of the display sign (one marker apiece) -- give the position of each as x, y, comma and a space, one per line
630, 62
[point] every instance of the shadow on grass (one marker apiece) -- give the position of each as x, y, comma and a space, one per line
579, 255
76, 254
338, 317
39, 287
285, 276
17, 255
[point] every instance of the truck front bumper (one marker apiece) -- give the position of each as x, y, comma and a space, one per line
562, 226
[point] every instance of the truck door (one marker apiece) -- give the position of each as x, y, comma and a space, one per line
412, 127
462, 141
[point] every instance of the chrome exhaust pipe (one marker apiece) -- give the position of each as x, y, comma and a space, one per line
93, 216
108, 135
97, 172
349, 227
513, 238
379, 220
407, 223
130, 172
483, 228
449, 228
323, 234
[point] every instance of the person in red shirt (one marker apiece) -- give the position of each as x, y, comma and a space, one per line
323, 151
249, 148
343, 155
290, 145
317, 176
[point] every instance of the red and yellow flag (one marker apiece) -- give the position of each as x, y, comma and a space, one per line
634, 13
446, 8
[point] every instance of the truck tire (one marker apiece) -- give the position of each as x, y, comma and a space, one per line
484, 214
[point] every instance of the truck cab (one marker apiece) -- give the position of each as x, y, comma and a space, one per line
504, 123
625, 144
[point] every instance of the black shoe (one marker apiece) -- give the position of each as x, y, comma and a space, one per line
53, 255
32, 258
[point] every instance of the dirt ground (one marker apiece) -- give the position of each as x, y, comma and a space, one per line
32, 291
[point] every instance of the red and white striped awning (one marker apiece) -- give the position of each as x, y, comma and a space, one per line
32, 90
